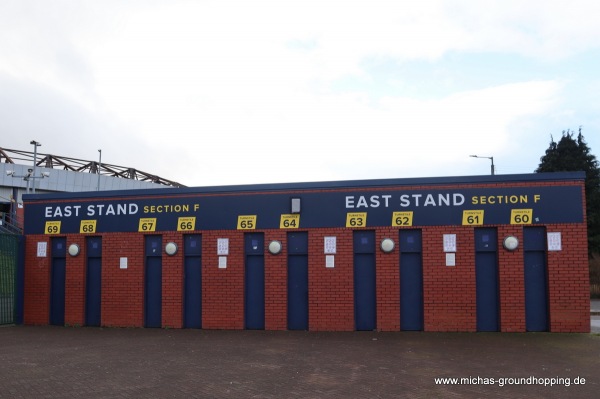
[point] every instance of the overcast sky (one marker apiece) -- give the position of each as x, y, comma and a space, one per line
236, 92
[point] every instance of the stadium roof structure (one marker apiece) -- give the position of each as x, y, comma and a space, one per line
80, 165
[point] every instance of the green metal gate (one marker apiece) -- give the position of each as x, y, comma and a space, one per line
9, 258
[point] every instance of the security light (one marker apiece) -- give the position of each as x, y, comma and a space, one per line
171, 248
275, 247
73, 249
511, 243
387, 245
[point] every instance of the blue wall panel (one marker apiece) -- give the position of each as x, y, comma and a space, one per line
536, 283
153, 282
411, 280
192, 303
486, 279
57, 281
365, 295
298, 281
93, 284
254, 303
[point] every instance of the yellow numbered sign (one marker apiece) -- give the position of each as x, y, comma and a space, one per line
87, 226
186, 223
147, 224
472, 218
52, 227
356, 219
521, 216
289, 222
402, 218
246, 222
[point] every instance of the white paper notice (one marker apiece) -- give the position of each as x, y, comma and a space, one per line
330, 245
41, 249
222, 262
330, 261
223, 246
123, 263
451, 259
554, 242
449, 242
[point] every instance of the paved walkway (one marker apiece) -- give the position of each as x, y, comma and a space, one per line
56, 362
595, 306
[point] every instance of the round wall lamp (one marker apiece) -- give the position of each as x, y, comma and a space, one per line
73, 249
387, 245
511, 243
171, 248
275, 247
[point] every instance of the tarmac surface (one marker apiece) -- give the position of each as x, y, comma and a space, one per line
595, 315
59, 362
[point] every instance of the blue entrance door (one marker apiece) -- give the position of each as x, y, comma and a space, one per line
298, 281
254, 303
486, 276
93, 282
192, 304
57, 283
153, 282
365, 297
536, 289
411, 280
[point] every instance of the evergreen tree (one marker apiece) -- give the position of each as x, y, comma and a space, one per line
570, 155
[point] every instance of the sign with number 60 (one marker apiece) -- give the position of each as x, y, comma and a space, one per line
521, 216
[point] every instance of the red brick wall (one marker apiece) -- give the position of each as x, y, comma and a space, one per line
223, 289
330, 290
511, 280
75, 283
387, 274
276, 283
36, 282
172, 283
568, 281
123, 289
449, 292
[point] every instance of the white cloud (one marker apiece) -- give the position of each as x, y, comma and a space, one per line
244, 89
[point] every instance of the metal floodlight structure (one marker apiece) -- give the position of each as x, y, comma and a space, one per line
79, 165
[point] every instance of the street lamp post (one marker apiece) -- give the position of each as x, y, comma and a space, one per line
99, 167
490, 158
35, 146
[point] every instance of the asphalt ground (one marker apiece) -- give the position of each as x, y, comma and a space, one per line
59, 362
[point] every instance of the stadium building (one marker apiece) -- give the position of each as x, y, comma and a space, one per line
503, 253
23, 172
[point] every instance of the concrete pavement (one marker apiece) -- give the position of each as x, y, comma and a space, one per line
57, 362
